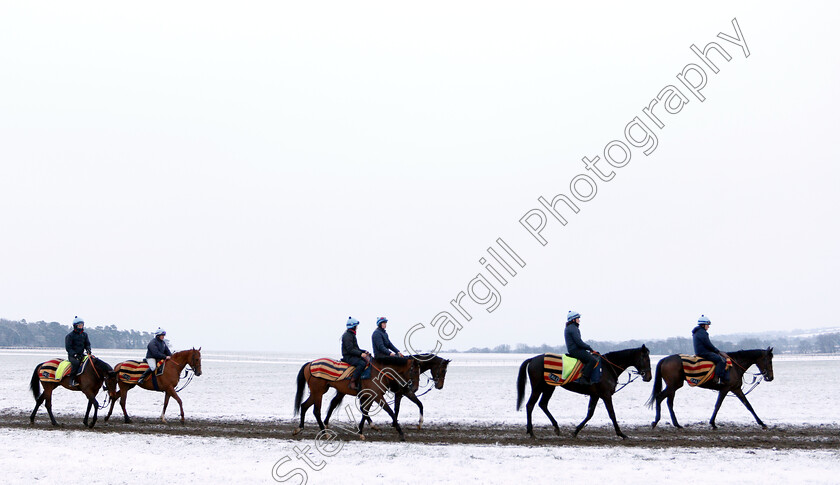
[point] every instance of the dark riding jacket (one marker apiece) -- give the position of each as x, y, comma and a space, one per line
382, 346
702, 343
574, 343
157, 349
350, 346
76, 343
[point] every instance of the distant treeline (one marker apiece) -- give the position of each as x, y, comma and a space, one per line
825, 343
43, 334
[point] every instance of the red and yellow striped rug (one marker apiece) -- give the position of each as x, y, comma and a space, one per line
698, 370
553, 369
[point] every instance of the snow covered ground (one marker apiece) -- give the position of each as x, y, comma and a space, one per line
100, 459
479, 389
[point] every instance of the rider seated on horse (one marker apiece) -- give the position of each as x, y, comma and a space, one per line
352, 354
577, 348
704, 348
156, 350
76, 343
382, 346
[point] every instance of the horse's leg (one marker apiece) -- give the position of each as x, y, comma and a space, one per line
658, 405
593, 401
670, 400
721, 395
529, 408
317, 412
170, 392
544, 406
110, 410
333, 404
92, 404
48, 404
743, 398
391, 413
365, 405
413, 398
608, 403
37, 405
165, 403
123, 396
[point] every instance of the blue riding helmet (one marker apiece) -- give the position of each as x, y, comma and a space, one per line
352, 322
160, 331
78, 320
381, 320
703, 320
572, 315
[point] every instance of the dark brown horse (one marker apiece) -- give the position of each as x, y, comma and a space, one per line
614, 364
166, 382
670, 369
424, 362
383, 373
95, 373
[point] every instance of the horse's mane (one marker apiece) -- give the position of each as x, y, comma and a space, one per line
102, 366
392, 360
749, 354
426, 357
622, 354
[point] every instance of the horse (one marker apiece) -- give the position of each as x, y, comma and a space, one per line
424, 362
614, 364
383, 372
166, 381
670, 369
95, 373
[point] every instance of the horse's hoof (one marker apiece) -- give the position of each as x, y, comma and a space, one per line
531, 435
296, 431
402, 438
420, 426
623, 436
376, 428
557, 431
653, 425
362, 437
105, 419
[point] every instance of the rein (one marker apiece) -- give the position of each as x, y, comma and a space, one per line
635, 374
188, 375
757, 377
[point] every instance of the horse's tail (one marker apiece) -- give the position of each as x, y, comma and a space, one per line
657, 385
301, 382
520, 383
35, 383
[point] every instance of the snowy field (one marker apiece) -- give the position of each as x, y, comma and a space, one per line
479, 389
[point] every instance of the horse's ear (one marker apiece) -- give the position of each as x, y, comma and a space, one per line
199, 349
643, 347
770, 349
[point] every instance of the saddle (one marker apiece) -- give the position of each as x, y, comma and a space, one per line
334, 370
130, 371
57, 369
559, 370
699, 370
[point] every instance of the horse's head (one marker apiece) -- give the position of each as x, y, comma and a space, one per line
642, 364
195, 360
439, 371
110, 385
765, 364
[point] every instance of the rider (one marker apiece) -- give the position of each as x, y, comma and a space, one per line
577, 348
352, 354
76, 343
704, 348
382, 346
155, 351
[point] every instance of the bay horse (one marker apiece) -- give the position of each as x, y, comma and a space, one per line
424, 362
166, 381
670, 369
95, 373
614, 364
384, 371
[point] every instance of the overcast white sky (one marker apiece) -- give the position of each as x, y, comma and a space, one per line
248, 176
